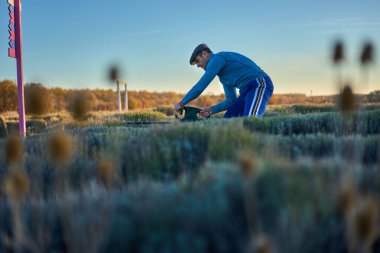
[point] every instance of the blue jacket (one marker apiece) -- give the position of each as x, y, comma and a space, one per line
234, 71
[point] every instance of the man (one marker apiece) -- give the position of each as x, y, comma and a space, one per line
234, 71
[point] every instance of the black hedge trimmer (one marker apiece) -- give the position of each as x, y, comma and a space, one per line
189, 113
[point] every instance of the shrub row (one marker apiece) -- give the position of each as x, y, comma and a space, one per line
336, 123
283, 110
166, 152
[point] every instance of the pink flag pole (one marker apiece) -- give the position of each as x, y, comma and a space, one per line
20, 81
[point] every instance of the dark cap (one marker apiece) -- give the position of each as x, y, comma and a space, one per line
197, 50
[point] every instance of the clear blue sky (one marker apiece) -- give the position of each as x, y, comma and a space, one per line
72, 43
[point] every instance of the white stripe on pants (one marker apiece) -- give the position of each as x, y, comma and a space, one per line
255, 97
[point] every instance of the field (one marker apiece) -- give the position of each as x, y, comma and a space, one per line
303, 178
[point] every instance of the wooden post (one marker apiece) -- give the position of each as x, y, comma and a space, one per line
118, 96
125, 98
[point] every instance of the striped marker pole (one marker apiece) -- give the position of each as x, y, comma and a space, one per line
15, 51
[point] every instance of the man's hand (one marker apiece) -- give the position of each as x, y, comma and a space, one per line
206, 112
178, 106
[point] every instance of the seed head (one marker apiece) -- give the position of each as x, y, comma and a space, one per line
338, 52
37, 99
347, 102
16, 184
80, 106
13, 150
60, 148
106, 170
262, 244
363, 223
367, 54
113, 74
347, 196
247, 164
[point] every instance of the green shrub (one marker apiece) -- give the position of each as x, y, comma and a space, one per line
36, 125
362, 123
136, 118
168, 110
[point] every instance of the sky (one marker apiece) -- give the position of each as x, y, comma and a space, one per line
72, 44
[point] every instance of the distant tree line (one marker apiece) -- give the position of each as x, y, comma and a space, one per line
58, 99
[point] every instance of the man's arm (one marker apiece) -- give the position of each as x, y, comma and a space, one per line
213, 68
230, 98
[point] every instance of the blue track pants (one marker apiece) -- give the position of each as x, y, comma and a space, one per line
254, 99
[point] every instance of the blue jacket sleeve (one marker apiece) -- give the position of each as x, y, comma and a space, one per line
230, 98
213, 67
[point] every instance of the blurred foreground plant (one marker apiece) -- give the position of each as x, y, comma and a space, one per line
60, 148
13, 150
80, 105
347, 101
106, 169
363, 225
261, 244
16, 187
338, 58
